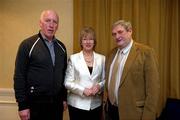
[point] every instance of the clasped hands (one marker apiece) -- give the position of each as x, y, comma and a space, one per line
92, 91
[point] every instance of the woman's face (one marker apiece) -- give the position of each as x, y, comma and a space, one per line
87, 43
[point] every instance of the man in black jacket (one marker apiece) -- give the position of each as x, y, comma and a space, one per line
39, 73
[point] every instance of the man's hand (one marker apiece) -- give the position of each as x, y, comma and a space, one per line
24, 114
65, 105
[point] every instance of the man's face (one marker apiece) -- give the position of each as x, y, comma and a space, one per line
121, 36
49, 24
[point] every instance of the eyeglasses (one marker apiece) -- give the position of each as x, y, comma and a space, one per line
88, 40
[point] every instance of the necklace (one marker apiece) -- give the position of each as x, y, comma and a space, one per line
89, 59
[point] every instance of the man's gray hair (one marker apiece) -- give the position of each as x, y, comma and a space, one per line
126, 24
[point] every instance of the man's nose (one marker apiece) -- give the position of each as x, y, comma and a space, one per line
51, 24
117, 36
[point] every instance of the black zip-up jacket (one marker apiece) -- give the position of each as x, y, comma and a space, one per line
35, 75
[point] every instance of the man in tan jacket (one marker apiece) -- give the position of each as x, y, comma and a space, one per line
132, 77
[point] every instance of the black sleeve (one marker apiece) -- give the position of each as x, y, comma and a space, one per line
21, 65
64, 72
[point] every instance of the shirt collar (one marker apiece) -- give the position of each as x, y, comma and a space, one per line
127, 48
45, 39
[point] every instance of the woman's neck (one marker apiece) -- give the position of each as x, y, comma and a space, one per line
87, 53
88, 57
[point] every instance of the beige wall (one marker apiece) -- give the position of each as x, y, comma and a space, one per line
19, 20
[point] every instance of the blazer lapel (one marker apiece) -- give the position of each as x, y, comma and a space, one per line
94, 65
131, 57
83, 64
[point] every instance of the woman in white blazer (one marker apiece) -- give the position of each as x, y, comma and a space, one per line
85, 79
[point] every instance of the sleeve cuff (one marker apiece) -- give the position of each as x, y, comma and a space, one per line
23, 105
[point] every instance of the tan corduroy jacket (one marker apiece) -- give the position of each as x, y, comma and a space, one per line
139, 87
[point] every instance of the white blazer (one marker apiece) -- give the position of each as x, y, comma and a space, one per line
78, 78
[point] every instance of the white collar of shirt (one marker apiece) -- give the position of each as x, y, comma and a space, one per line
126, 49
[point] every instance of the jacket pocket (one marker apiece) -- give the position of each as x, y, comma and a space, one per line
140, 106
140, 103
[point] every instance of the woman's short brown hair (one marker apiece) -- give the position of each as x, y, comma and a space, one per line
85, 32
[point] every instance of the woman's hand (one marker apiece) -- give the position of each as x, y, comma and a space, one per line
95, 89
87, 92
